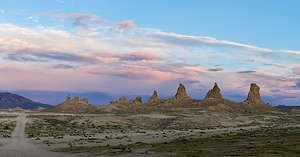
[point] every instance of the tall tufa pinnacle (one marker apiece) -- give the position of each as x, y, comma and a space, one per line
181, 93
254, 95
154, 98
214, 93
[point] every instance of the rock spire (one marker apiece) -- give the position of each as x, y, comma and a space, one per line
181, 93
215, 92
154, 98
254, 95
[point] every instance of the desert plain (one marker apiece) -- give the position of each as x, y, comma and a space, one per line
178, 126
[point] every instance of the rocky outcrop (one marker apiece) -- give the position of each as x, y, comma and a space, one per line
68, 98
137, 100
154, 98
254, 95
215, 93
84, 100
253, 103
181, 93
122, 100
73, 106
75, 100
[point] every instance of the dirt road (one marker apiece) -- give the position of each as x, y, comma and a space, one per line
19, 146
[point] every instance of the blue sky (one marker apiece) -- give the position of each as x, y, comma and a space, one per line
262, 23
119, 44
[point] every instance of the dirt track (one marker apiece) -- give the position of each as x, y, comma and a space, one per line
19, 146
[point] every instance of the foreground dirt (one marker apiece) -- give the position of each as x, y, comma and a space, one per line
184, 133
19, 146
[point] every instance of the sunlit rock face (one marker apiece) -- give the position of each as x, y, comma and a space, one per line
74, 105
137, 100
254, 95
154, 98
84, 100
215, 92
181, 93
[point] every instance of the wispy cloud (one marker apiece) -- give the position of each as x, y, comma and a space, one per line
126, 25
63, 66
82, 20
215, 69
137, 56
101, 51
33, 19
245, 72
184, 40
55, 15
296, 70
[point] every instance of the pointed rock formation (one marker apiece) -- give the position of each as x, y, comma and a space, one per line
154, 98
123, 99
254, 103
138, 99
181, 93
214, 93
254, 95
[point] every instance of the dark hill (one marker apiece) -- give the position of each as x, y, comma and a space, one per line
287, 108
9, 100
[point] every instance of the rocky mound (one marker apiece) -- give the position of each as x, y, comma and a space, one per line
122, 100
73, 106
215, 93
9, 100
121, 105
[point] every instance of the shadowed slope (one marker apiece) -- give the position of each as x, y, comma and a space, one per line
9, 100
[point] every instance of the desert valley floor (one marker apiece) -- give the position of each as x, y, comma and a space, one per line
181, 132
178, 126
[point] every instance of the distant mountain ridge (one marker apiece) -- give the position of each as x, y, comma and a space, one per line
287, 108
56, 97
10, 100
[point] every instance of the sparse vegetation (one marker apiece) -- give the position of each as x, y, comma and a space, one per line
6, 128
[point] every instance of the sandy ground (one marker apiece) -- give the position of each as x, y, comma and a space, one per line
19, 146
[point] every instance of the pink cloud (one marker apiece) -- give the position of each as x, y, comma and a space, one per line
296, 70
84, 16
61, 15
138, 73
126, 25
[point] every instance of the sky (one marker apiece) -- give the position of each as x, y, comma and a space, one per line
132, 47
